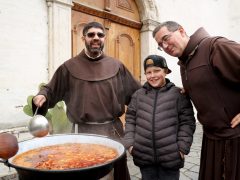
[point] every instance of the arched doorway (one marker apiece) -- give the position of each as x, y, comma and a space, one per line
130, 24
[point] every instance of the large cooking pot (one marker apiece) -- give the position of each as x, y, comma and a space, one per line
88, 173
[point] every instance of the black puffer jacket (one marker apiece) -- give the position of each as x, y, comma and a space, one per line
159, 124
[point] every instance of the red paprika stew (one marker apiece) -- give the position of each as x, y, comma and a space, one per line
66, 156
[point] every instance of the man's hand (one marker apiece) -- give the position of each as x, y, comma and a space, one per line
39, 100
182, 90
235, 121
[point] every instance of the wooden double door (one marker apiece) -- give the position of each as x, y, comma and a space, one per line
123, 34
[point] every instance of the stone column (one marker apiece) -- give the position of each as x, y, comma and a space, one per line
59, 33
148, 45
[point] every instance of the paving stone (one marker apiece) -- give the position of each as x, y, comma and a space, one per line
195, 169
191, 175
188, 165
183, 177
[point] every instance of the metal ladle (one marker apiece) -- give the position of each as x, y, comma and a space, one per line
38, 125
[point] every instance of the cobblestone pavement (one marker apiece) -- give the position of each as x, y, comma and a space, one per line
189, 172
192, 160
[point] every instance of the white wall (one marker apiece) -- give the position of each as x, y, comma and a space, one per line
218, 17
24, 54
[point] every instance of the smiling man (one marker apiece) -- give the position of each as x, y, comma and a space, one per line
210, 71
94, 41
95, 88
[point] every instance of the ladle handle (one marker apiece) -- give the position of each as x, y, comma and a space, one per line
36, 111
4, 161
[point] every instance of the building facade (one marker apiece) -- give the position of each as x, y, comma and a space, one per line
37, 36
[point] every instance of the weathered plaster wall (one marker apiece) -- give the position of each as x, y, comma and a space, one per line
24, 53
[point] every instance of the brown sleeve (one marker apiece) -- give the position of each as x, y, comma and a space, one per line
130, 84
225, 58
55, 90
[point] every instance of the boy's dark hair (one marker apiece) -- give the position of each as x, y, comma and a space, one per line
92, 25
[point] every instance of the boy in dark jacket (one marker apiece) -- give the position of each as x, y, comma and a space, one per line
159, 124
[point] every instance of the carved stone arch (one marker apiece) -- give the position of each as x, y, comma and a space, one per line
148, 9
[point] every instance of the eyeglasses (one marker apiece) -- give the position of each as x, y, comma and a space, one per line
165, 40
93, 34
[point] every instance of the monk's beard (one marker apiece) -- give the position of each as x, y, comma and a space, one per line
94, 52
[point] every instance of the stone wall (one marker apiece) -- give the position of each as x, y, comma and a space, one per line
24, 54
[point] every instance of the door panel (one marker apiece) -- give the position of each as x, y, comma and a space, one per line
123, 44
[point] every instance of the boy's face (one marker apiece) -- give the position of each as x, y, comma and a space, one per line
155, 76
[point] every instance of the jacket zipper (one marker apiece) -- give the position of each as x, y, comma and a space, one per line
153, 127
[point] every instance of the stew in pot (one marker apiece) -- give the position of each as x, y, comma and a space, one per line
66, 156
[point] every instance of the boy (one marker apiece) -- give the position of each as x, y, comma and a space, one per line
159, 124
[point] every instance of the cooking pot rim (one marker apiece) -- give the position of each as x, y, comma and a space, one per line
108, 163
63, 170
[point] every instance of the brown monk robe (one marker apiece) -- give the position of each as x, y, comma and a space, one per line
95, 88
95, 93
